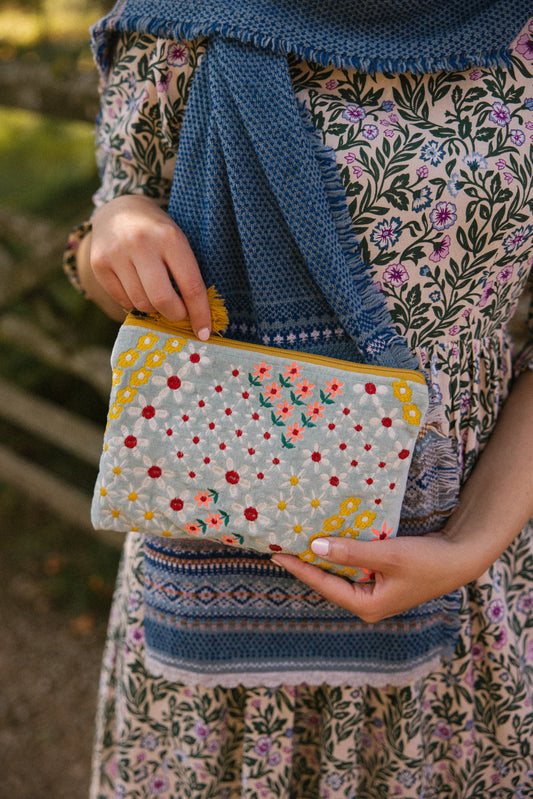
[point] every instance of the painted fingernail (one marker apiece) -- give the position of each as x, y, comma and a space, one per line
320, 546
203, 334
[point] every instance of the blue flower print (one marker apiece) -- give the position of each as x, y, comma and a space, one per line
475, 161
425, 270
515, 239
387, 105
370, 132
500, 114
421, 199
434, 296
354, 113
443, 215
528, 102
386, 233
432, 152
518, 137
453, 185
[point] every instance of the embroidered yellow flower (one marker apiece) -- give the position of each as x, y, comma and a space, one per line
333, 523
155, 358
315, 503
140, 377
103, 492
294, 480
132, 497
147, 341
117, 375
114, 411
282, 505
349, 506
402, 390
127, 358
364, 519
298, 528
126, 395
148, 515
349, 533
411, 413
175, 344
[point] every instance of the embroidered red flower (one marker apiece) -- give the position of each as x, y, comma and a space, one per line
386, 421
174, 382
370, 388
334, 481
316, 457
148, 412
154, 472
176, 504
232, 477
403, 454
195, 357
130, 442
251, 514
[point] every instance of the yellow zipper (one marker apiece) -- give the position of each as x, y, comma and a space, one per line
183, 329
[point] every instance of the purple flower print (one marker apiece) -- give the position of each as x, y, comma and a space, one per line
370, 132
475, 74
354, 113
500, 639
442, 250
504, 274
178, 54
443, 730
164, 83
201, 730
432, 152
500, 114
485, 295
495, 611
422, 171
158, 785
395, 275
443, 215
332, 84
386, 233
524, 47
501, 164
525, 602
518, 137
263, 746
454, 330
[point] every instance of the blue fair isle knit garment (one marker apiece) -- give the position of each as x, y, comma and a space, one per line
262, 204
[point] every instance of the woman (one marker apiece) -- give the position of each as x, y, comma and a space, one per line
437, 173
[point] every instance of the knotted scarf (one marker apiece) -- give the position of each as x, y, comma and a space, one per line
261, 201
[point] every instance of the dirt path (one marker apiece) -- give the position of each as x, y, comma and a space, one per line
48, 680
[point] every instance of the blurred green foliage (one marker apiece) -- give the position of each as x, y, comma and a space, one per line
48, 172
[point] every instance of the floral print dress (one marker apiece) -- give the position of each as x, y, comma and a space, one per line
438, 176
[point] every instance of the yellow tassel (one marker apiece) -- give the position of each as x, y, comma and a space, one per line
219, 317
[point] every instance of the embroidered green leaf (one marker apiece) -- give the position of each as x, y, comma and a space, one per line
254, 381
285, 443
276, 420
264, 402
295, 399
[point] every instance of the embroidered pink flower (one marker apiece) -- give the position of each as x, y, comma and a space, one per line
332, 84
422, 171
357, 170
285, 409
396, 275
295, 432
475, 74
178, 55
442, 250
214, 520
273, 392
501, 164
334, 387
303, 390
203, 499
508, 177
262, 371
293, 371
315, 411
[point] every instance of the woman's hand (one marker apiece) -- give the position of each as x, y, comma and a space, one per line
134, 249
406, 571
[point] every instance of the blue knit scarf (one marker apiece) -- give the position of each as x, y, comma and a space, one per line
260, 198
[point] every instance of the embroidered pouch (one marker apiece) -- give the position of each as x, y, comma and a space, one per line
260, 448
